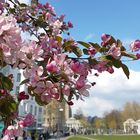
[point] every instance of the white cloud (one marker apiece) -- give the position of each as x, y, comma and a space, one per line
21, 1
111, 91
25, 1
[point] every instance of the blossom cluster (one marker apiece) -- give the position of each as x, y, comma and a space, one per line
54, 67
135, 47
17, 130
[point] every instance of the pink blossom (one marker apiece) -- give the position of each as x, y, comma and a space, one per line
105, 38
32, 51
110, 70
70, 103
28, 120
79, 68
49, 7
40, 6
135, 45
45, 97
84, 90
92, 51
101, 66
53, 44
70, 25
57, 25
115, 51
66, 90
48, 16
11, 132
6, 137
33, 74
138, 56
49, 84
11, 41
52, 67
80, 82
1, 8
62, 17
22, 96
59, 59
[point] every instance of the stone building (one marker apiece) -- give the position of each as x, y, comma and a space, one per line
55, 116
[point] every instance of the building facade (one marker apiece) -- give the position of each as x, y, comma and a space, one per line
131, 126
25, 106
55, 116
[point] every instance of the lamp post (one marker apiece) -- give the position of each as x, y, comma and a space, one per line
60, 123
61, 118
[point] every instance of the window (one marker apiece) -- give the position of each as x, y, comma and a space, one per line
6, 70
18, 77
39, 125
25, 108
35, 110
17, 89
31, 108
40, 110
39, 119
44, 112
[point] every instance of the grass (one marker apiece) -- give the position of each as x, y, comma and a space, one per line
108, 137
77, 138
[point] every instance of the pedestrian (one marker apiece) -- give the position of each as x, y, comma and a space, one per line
29, 136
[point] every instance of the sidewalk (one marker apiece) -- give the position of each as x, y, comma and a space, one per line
65, 138
61, 138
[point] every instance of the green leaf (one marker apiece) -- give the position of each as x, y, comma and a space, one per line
85, 51
115, 62
92, 61
125, 70
24, 81
30, 91
7, 83
118, 64
119, 43
7, 106
112, 40
59, 39
84, 44
67, 46
39, 101
34, 2
77, 51
96, 46
12, 10
70, 96
12, 106
129, 55
22, 5
43, 25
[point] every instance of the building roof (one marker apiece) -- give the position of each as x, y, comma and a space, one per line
128, 121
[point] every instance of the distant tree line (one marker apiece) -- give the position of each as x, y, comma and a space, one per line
111, 122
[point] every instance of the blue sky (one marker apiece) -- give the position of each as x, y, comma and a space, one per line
91, 18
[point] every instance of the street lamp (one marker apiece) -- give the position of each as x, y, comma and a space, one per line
60, 124
61, 118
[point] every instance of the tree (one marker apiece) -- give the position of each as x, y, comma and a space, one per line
79, 114
54, 67
131, 110
113, 120
98, 123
